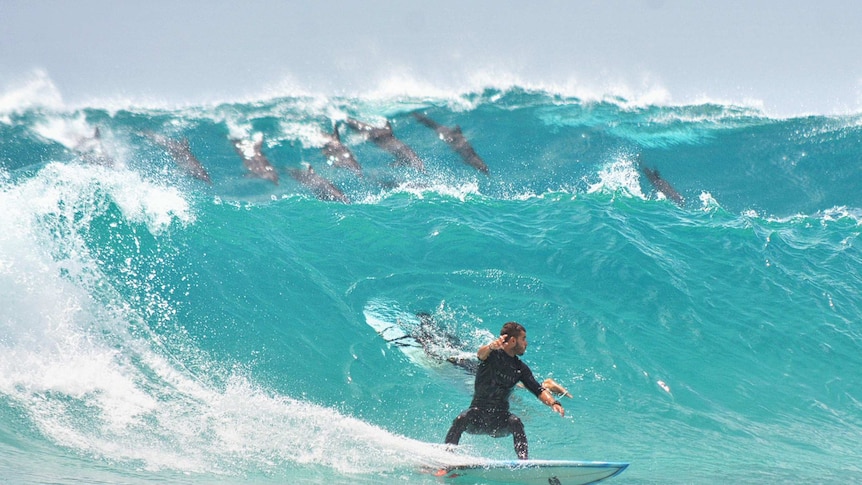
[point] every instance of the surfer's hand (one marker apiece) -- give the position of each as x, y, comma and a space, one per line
498, 344
559, 408
485, 350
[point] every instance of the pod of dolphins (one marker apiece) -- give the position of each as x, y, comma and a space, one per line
337, 154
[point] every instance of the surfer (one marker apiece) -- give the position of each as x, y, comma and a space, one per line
499, 371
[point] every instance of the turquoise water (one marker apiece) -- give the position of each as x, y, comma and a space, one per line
156, 328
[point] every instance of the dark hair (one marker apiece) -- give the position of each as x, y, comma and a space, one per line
513, 329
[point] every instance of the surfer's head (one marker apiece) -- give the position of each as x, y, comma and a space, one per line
514, 330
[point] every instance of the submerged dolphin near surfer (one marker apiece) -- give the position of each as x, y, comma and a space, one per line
500, 369
442, 345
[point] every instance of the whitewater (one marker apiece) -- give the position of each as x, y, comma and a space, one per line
159, 327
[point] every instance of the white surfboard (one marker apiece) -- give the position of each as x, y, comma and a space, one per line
532, 472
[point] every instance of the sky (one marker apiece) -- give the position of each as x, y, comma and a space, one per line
787, 57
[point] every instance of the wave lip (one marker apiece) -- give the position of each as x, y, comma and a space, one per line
36, 90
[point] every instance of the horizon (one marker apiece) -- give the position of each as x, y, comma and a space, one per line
784, 58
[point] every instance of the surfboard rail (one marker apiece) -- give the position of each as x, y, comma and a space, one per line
532, 472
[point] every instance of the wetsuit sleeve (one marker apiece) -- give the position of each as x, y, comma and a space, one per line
529, 381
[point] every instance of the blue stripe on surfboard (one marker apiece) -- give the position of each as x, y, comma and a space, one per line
534, 471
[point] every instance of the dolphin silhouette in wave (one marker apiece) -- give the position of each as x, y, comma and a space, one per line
254, 159
322, 189
92, 150
385, 139
338, 154
182, 154
661, 184
456, 140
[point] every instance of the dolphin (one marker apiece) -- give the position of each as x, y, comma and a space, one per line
661, 184
182, 154
91, 149
323, 189
338, 154
254, 159
435, 339
455, 139
385, 139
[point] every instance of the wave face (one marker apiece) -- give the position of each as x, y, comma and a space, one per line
156, 327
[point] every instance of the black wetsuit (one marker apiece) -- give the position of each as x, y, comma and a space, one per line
489, 412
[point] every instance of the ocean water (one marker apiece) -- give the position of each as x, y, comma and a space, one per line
156, 328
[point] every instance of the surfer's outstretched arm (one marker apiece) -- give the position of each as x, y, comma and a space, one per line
500, 343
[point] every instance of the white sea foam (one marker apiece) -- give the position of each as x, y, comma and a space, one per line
67, 131
32, 91
84, 366
620, 176
400, 88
